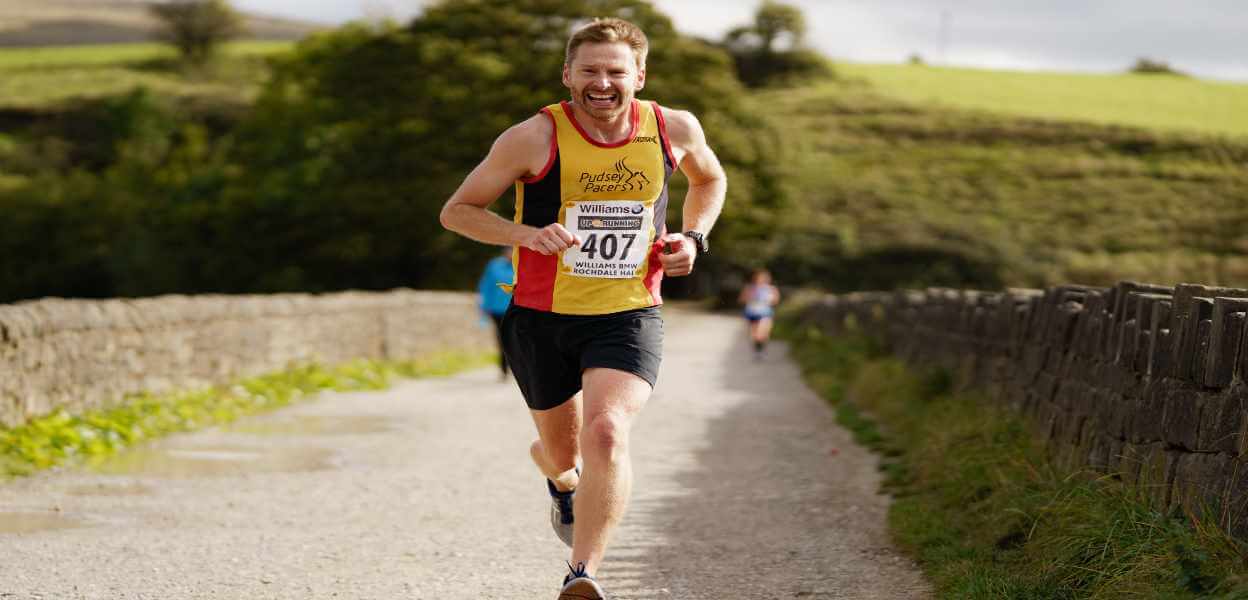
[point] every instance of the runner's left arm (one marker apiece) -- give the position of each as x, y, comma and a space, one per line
707, 184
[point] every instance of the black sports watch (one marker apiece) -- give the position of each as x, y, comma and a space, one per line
699, 241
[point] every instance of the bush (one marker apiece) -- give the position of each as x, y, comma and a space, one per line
1148, 66
196, 27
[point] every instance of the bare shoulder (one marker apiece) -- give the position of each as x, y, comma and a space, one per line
528, 136
525, 145
683, 129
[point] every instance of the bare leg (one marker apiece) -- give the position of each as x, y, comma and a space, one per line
754, 331
558, 449
764, 330
612, 399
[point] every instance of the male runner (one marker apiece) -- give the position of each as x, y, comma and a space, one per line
583, 334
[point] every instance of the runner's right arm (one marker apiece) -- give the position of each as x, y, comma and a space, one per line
511, 158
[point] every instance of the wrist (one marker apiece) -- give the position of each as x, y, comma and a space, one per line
700, 244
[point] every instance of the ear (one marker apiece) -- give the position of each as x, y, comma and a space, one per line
567, 76
641, 79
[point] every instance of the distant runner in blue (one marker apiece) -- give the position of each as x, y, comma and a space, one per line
760, 298
494, 299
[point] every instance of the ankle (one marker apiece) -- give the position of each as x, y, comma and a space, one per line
567, 480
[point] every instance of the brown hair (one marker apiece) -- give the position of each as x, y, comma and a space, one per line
610, 30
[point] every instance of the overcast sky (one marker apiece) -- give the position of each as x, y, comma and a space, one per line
1204, 37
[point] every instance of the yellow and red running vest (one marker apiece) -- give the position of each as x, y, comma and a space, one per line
614, 198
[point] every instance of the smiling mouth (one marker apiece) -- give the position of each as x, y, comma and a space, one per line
606, 100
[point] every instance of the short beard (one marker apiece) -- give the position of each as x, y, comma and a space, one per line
603, 114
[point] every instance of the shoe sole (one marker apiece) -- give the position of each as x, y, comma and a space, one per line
582, 589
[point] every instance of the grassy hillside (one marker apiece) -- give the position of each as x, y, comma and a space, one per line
34, 78
26, 23
894, 192
1151, 101
888, 191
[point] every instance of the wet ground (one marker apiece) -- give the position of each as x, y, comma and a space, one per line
745, 489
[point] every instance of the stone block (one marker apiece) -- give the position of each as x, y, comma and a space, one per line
1159, 353
1130, 461
1157, 475
1200, 483
1241, 362
1181, 418
1226, 330
1113, 455
1098, 449
1190, 308
1237, 498
1142, 422
1222, 421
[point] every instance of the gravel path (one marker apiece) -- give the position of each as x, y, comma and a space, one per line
746, 489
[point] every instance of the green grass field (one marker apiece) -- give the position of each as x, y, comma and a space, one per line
1153, 101
32, 78
1032, 201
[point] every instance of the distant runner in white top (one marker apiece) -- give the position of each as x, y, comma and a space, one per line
760, 297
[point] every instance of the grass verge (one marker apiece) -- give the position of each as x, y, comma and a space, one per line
61, 438
982, 509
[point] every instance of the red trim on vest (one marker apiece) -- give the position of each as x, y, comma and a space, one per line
632, 132
667, 144
654, 273
554, 150
535, 280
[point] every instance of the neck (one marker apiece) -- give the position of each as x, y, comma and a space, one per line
604, 130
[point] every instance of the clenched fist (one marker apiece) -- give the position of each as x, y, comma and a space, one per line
551, 239
679, 262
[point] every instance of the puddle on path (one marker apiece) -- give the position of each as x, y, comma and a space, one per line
215, 461
31, 522
315, 425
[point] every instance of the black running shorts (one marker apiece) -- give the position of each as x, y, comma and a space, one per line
547, 352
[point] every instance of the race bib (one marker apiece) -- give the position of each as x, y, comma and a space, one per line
615, 238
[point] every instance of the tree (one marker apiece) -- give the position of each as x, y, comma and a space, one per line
196, 27
364, 132
1148, 66
775, 20
771, 49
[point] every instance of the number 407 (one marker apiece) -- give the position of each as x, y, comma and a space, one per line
608, 245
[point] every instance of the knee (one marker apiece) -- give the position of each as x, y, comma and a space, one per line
606, 435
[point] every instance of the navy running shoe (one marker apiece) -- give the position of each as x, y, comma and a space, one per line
561, 512
578, 585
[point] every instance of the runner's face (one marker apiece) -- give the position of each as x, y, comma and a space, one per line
603, 79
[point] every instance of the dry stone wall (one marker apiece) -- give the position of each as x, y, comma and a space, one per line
1146, 382
79, 354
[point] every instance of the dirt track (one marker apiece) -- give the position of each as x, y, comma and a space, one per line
745, 489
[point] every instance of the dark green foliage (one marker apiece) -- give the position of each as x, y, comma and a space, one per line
1148, 66
334, 178
363, 134
146, 222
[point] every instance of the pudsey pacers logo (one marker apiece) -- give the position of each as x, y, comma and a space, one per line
620, 179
